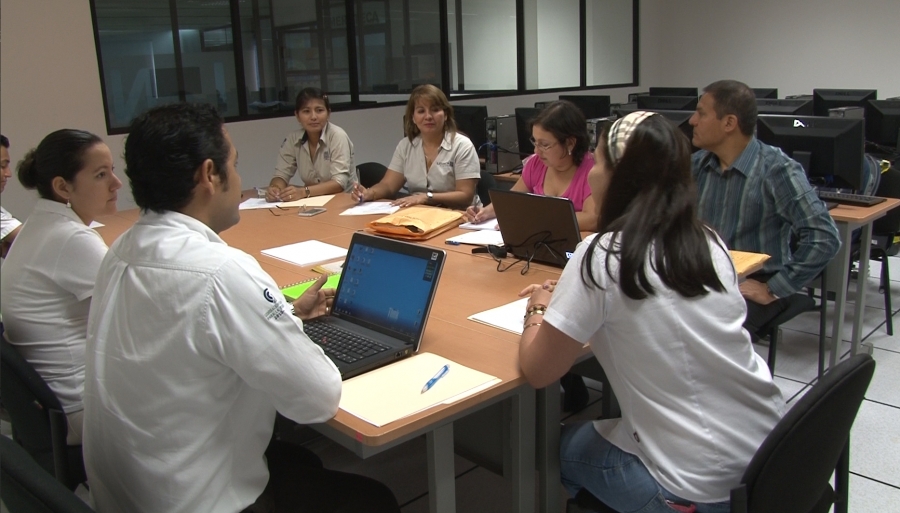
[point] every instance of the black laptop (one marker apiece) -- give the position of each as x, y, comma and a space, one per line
381, 304
537, 228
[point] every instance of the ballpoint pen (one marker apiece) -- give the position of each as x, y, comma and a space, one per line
440, 374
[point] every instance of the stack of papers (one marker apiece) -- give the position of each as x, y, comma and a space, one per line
490, 224
315, 201
478, 238
393, 392
509, 317
371, 208
306, 253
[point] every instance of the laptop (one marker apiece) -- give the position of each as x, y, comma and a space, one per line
380, 305
537, 228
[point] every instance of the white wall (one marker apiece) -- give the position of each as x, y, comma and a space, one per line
793, 45
49, 83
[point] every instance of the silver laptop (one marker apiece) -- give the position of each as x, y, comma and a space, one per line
537, 228
381, 304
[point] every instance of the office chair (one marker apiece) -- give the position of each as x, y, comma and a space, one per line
884, 233
370, 173
485, 184
38, 421
25, 487
792, 469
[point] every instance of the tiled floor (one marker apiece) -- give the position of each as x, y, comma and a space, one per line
875, 440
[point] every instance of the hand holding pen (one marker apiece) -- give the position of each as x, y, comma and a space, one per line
359, 193
440, 374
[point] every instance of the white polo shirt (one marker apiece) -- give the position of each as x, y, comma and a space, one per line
8, 223
456, 160
696, 400
191, 349
47, 282
334, 158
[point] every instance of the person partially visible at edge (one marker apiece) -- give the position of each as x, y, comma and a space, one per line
320, 151
48, 277
9, 225
759, 200
655, 295
192, 349
559, 166
436, 164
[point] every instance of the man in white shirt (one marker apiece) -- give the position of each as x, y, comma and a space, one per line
191, 348
9, 225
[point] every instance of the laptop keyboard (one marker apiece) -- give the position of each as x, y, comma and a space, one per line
340, 344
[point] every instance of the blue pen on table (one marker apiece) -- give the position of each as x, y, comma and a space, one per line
451, 242
440, 374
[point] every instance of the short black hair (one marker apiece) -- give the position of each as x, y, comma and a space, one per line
311, 93
165, 147
61, 153
563, 119
4, 141
736, 98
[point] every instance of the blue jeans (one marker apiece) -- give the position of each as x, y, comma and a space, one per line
619, 479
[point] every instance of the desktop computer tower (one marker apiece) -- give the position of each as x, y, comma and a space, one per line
595, 127
503, 139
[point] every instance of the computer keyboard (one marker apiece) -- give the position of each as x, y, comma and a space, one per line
844, 198
340, 344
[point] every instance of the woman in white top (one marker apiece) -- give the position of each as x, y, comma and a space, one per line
49, 274
656, 297
320, 151
438, 165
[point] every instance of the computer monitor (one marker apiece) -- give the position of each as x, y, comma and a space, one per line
765, 92
524, 115
592, 106
681, 119
470, 121
541, 105
829, 149
674, 91
667, 102
824, 99
883, 122
785, 107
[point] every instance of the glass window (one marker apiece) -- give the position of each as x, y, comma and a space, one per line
610, 42
483, 45
552, 44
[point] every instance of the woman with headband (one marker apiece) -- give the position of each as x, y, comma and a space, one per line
655, 295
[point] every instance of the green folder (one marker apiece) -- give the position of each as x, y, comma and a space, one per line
292, 292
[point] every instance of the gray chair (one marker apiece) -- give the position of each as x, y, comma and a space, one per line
792, 469
25, 487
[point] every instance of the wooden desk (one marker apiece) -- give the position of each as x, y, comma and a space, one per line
849, 218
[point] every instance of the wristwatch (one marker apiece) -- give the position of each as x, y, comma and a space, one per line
307, 191
430, 196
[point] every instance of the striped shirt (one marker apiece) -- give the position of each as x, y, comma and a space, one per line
758, 204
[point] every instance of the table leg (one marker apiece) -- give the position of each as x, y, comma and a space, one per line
441, 470
522, 442
861, 282
839, 276
548, 428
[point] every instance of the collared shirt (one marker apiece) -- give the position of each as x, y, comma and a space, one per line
534, 172
694, 394
46, 284
456, 160
8, 223
758, 204
334, 158
191, 349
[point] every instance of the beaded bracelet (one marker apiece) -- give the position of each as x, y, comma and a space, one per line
535, 310
530, 325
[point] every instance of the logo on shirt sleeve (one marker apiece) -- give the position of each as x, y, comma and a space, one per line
268, 295
278, 307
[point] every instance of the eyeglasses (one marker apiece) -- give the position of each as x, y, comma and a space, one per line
542, 146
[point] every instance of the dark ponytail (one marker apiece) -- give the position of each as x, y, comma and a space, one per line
59, 154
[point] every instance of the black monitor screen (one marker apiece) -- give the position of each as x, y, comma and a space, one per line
765, 92
667, 102
673, 91
524, 115
593, 106
830, 149
470, 121
786, 107
825, 99
883, 122
680, 118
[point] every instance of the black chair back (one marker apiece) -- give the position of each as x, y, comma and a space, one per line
38, 421
485, 184
791, 470
370, 173
889, 187
25, 487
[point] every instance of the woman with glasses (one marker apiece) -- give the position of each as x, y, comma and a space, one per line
436, 164
559, 166
655, 295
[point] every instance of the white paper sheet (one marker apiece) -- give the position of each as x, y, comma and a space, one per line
508, 317
490, 224
95, 225
253, 203
315, 201
306, 253
371, 208
478, 238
